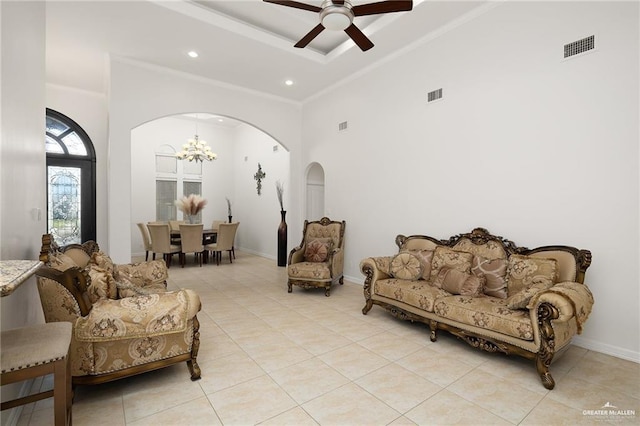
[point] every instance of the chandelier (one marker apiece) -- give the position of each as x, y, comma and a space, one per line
196, 150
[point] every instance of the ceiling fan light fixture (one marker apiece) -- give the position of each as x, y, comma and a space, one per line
336, 17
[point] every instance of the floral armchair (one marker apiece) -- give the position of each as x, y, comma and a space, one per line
319, 259
125, 322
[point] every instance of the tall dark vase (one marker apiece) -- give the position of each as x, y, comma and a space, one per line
282, 239
230, 217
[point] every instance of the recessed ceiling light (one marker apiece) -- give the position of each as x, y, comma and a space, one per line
288, 82
193, 54
220, 120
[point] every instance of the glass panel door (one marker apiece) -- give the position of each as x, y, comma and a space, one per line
64, 204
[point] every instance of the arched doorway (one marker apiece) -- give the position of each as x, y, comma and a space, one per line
71, 180
315, 192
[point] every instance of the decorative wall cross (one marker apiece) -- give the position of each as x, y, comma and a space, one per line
258, 177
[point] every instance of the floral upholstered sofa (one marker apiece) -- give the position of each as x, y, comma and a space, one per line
487, 291
125, 322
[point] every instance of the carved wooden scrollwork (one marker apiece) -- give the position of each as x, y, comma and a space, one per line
192, 364
546, 313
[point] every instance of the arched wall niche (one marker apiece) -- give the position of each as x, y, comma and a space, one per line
239, 146
315, 192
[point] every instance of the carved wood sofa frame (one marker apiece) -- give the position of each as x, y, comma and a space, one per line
545, 315
75, 280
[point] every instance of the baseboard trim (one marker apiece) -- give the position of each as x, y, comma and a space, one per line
607, 349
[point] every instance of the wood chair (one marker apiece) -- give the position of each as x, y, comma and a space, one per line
191, 241
226, 237
36, 351
161, 241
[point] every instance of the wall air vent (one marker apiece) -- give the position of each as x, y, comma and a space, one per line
581, 46
435, 95
342, 126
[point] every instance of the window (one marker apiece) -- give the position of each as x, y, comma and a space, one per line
71, 181
170, 177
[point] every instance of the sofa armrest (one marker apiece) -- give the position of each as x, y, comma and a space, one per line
336, 262
138, 316
296, 255
376, 267
571, 299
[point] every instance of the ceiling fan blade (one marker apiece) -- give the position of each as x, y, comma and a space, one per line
295, 4
382, 7
310, 36
359, 38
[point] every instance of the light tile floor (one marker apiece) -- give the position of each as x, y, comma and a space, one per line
273, 358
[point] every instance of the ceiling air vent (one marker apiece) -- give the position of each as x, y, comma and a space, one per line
342, 126
435, 95
581, 46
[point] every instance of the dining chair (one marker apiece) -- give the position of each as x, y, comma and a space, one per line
225, 241
161, 241
215, 224
191, 241
146, 240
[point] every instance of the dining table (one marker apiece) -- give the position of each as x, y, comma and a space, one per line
208, 236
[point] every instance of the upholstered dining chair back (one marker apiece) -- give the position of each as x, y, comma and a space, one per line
191, 237
160, 237
226, 236
174, 225
146, 239
216, 224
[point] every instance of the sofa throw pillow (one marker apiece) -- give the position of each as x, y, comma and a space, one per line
102, 285
495, 273
456, 282
425, 257
317, 250
524, 271
521, 299
445, 256
406, 266
61, 262
102, 260
128, 287
79, 256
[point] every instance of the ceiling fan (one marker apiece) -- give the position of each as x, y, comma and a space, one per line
338, 15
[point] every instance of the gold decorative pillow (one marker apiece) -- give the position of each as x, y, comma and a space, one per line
426, 257
61, 262
495, 273
522, 298
102, 285
127, 287
406, 266
445, 256
317, 250
79, 256
102, 260
525, 271
456, 282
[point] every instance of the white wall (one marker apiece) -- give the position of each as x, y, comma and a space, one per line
259, 215
22, 158
89, 110
139, 94
535, 148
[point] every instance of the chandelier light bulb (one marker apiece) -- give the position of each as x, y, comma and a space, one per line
196, 150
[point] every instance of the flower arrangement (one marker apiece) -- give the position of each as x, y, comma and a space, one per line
228, 206
191, 205
280, 193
